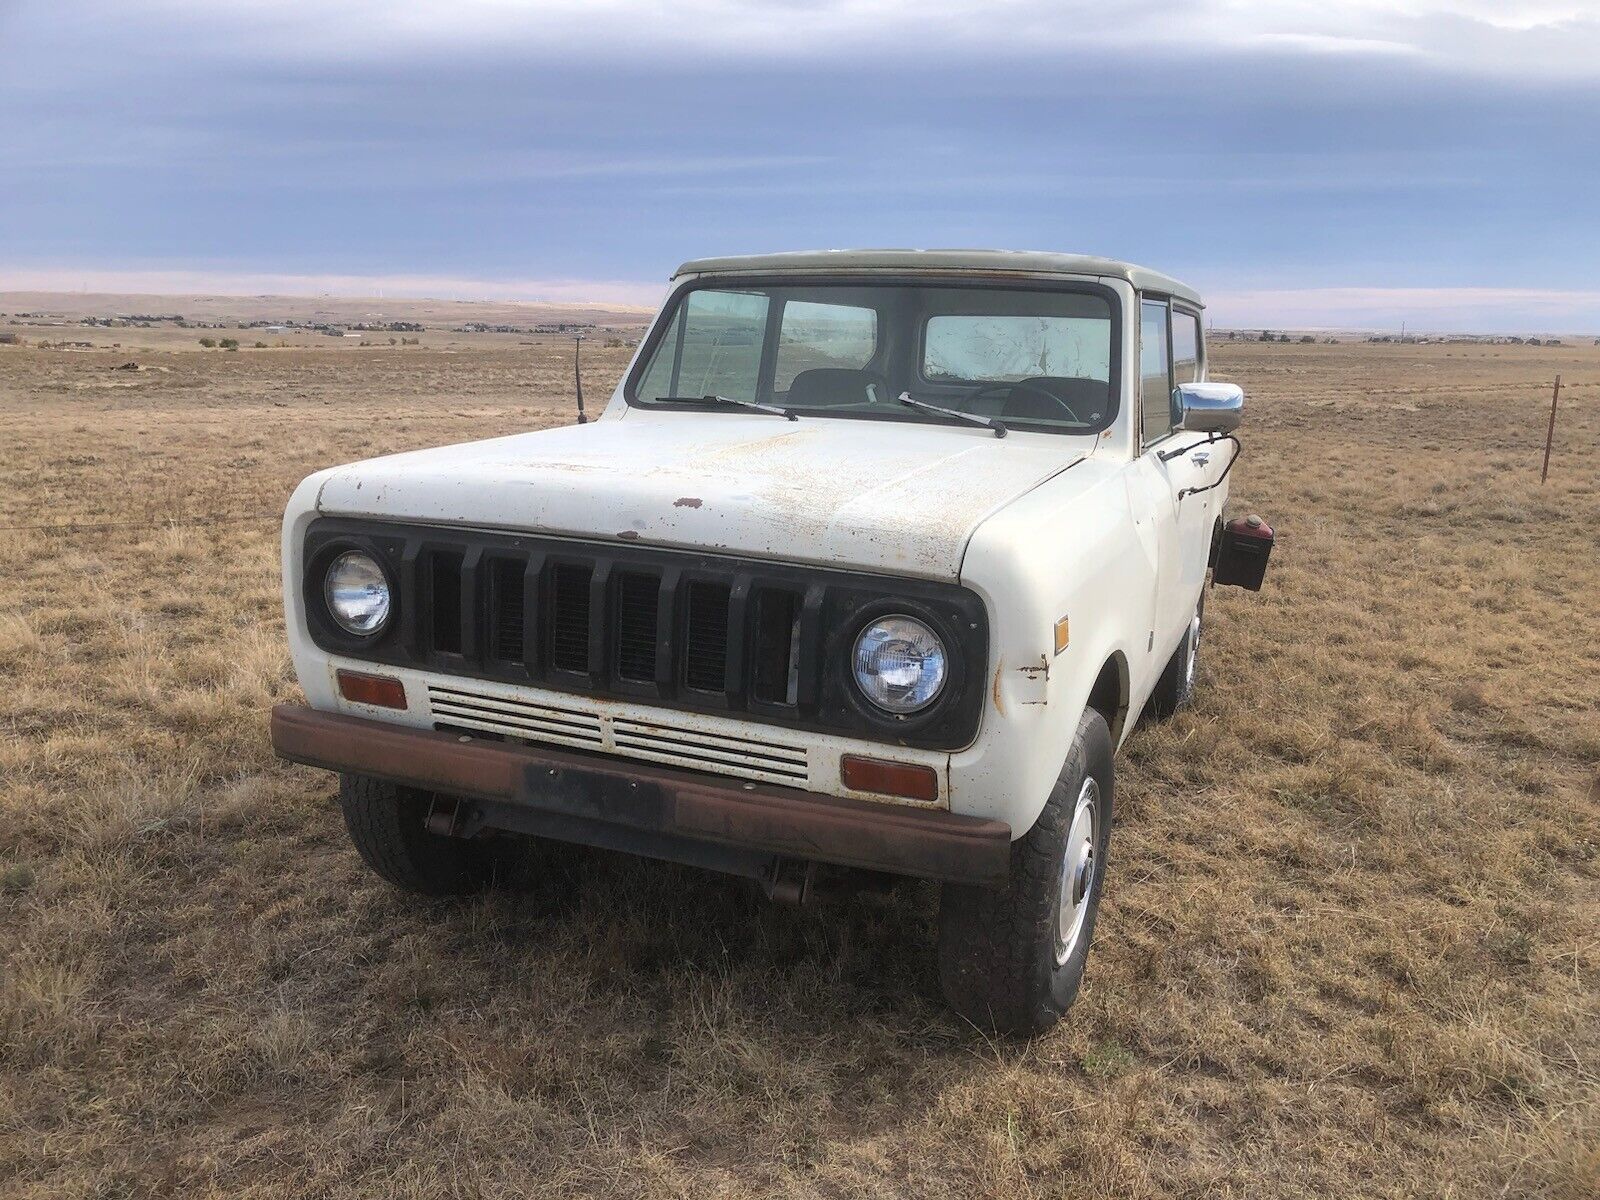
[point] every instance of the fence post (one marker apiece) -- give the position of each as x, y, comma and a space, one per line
1550, 433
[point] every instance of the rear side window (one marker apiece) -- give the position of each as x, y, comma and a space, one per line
1155, 370
1185, 347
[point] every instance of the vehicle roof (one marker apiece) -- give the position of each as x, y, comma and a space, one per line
1000, 262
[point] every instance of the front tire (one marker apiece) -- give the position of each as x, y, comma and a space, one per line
1012, 959
388, 825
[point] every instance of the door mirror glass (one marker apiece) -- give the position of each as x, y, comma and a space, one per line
1210, 407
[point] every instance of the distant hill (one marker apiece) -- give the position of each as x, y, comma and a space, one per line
339, 310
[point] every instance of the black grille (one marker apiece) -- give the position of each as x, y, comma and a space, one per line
705, 633
705, 638
569, 617
638, 598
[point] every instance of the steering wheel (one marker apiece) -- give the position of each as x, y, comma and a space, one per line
1021, 386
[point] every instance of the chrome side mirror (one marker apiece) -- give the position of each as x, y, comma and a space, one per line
1210, 407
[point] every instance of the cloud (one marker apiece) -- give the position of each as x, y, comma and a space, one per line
1521, 38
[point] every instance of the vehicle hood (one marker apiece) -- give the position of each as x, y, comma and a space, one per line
898, 498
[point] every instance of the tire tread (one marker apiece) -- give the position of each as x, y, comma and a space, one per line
990, 964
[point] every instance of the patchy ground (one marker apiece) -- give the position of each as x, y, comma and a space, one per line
1349, 946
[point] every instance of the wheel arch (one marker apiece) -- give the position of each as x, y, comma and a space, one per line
1109, 694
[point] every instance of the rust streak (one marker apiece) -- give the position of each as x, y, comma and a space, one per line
999, 704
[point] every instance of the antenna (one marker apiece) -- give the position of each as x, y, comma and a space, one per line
577, 374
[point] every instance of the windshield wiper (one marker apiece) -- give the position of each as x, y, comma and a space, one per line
955, 414
788, 414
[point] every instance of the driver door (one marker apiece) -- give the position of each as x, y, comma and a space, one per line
1183, 521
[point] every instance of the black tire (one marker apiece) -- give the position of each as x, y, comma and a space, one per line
1175, 688
1000, 961
387, 823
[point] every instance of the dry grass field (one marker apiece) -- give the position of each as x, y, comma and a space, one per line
1350, 947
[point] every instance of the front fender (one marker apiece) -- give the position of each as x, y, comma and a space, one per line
1067, 550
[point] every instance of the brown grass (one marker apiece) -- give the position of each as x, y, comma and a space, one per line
1350, 945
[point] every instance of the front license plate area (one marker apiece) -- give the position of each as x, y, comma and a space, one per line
596, 796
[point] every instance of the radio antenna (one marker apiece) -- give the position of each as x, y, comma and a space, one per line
577, 374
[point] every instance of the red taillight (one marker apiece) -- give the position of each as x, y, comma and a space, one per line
381, 690
911, 780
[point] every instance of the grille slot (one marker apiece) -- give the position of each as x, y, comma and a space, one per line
720, 753
519, 718
505, 610
444, 577
636, 606
705, 650
569, 617
775, 644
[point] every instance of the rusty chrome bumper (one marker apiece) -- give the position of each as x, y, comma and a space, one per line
583, 792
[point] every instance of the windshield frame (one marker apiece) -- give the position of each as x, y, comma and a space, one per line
899, 414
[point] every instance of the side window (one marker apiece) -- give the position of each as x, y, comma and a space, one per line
815, 335
712, 347
1185, 347
1155, 371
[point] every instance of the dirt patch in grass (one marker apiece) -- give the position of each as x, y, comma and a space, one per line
1349, 944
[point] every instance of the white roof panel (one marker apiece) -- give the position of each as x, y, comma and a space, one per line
996, 262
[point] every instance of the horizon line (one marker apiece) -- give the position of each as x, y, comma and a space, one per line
1332, 309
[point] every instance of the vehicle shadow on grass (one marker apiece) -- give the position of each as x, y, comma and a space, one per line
874, 948
679, 940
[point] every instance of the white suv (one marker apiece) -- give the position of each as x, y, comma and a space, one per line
869, 565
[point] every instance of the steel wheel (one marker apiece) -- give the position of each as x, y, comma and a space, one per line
1078, 868
1193, 652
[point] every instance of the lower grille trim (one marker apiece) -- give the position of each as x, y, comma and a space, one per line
658, 739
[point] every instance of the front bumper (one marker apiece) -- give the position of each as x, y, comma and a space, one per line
655, 810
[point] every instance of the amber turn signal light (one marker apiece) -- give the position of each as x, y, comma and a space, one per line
381, 690
911, 780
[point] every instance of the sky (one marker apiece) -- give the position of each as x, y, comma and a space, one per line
1348, 163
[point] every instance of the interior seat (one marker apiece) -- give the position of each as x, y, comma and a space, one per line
832, 387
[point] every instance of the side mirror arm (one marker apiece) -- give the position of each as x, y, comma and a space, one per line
1168, 455
1238, 449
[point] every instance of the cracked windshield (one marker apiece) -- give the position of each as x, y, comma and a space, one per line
1030, 358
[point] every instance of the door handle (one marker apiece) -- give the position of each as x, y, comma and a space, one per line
1200, 459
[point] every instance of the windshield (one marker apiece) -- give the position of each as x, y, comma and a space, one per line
1032, 357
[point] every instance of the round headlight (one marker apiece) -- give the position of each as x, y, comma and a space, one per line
357, 593
900, 664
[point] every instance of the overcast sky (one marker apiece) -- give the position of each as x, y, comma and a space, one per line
1302, 163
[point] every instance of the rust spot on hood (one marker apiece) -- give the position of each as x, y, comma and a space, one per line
686, 502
